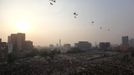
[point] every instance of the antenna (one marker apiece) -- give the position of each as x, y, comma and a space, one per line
60, 44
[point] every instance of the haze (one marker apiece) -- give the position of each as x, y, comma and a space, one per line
49, 23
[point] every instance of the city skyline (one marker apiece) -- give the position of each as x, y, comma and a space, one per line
46, 24
21, 40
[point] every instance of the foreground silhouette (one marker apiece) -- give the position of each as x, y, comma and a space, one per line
70, 64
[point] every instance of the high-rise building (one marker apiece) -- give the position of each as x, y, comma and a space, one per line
10, 45
131, 43
125, 40
20, 41
125, 43
3, 51
17, 43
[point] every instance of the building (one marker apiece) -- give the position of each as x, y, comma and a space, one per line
18, 44
83, 45
125, 40
0, 40
12, 43
3, 51
104, 45
52, 47
125, 43
20, 41
16, 41
131, 43
28, 45
66, 47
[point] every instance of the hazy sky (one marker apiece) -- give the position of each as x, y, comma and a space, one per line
49, 23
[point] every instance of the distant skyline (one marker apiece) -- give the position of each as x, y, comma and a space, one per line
45, 24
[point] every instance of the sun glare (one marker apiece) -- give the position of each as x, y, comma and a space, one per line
23, 26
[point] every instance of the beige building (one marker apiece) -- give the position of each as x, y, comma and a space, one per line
18, 44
